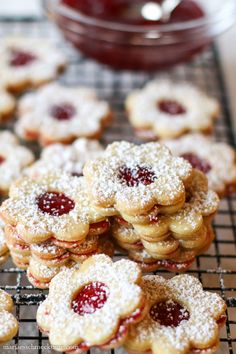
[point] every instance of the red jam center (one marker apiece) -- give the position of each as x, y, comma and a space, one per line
90, 298
197, 162
171, 107
169, 313
21, 58
55, 203
63, 111
2, 159
133, 176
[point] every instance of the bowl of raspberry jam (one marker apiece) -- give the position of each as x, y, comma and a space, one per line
134, 34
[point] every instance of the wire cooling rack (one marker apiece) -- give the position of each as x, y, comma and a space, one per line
217, 268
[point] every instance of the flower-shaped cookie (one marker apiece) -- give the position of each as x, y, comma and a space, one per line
4, 252
8, 323
29, 62
56, 113
55, 206
200, 206
217, 160
95, 306
68, 158
7, 104
13, 159
163, 109
135, 178
182, 317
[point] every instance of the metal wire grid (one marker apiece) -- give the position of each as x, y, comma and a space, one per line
217, 268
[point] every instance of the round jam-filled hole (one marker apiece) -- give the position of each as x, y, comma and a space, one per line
171, 107
55, 204
2, 159
90, 298
21, 57
64, 111
132, 177
197, 162
169, 313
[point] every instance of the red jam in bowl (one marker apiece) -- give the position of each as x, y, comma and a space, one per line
112, 39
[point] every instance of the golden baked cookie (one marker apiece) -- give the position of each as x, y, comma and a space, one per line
55, 206
29, 62
95, 307
60, 114
181, 317
164, 109
133, 179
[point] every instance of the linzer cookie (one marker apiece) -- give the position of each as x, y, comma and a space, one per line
56, 207
215, 159
28, 63
59, 114
133, 179
164, 109
8, 323
182, 318
7, 105
95, 307
68, 158
13, 159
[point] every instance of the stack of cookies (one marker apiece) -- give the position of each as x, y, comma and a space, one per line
158, 206
161, 207
49, 224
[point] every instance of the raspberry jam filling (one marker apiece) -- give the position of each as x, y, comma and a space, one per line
197, 162
64, 111
169, 313
132, 177
90, 298
2, 159
21, 58
171, 107
55, 204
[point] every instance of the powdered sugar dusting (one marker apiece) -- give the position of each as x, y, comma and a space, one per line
98, 327
201, 328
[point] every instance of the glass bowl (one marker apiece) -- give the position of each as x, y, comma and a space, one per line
139, 47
